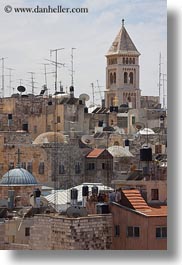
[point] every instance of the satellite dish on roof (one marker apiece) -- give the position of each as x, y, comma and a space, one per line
139, 126
84, 97
21, 89
87, 139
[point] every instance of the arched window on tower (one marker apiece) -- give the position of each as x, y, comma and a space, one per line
133, 60
125, 77
111, 78
131, 77
130, 61
124, 60
114, 78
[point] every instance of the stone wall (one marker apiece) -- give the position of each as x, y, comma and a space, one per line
60, 232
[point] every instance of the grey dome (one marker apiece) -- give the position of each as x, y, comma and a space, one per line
18, 176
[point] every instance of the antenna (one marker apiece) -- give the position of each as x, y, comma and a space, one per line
72, 69
32, 81
160, 77
56, 65
2, 91
164, 103
10, 80
93, 93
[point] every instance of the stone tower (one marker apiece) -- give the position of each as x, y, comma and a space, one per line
122, 72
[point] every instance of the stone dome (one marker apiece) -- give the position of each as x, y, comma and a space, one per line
18, 176
49, 137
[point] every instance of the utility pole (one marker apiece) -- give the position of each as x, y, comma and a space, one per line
2, 91
56, 65
72, 68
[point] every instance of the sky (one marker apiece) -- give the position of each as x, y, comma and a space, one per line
27, 38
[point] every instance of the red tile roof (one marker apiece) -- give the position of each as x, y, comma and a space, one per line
139, 204
95, 153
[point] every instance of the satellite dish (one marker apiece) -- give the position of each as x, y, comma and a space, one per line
87, 139
139, 126
84, 97
76, 211
21, 89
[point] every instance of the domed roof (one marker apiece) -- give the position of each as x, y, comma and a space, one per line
18, 176
119, 151
49, 137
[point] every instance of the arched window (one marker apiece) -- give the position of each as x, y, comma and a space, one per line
130, 61
123, 60
131, 77
114, 78
133, 60
126, 60
116, 143
111, 78
125, 77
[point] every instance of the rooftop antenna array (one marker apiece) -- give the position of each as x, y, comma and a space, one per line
56, 65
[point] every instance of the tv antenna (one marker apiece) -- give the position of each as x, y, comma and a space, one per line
72, 67
56, 65
2, 91
32, 81
10, 80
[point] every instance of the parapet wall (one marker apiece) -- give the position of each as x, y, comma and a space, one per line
60, 232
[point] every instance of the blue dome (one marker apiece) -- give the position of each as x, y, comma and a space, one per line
18, 176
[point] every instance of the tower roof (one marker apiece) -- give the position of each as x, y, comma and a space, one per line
123, 44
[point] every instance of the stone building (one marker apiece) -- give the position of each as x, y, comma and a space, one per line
99, 166
122, 72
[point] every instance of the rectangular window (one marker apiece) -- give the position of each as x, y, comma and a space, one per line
133, 231
41, 168
58, 119
91, 166
161, 232
77, 168
116, 230
133, 120
103, 166
122, 122
23, 165
11, 165
27, 231
29, 167
154, 194
61, 169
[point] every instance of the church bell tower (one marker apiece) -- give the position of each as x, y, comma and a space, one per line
122, 72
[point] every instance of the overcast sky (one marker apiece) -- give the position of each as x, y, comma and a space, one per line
26, 40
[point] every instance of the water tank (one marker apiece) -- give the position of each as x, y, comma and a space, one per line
102, 208
115, 108
25, 127
95, 190
85, 110
74, 194
111, 108
85, 191
127, 142
146, 154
